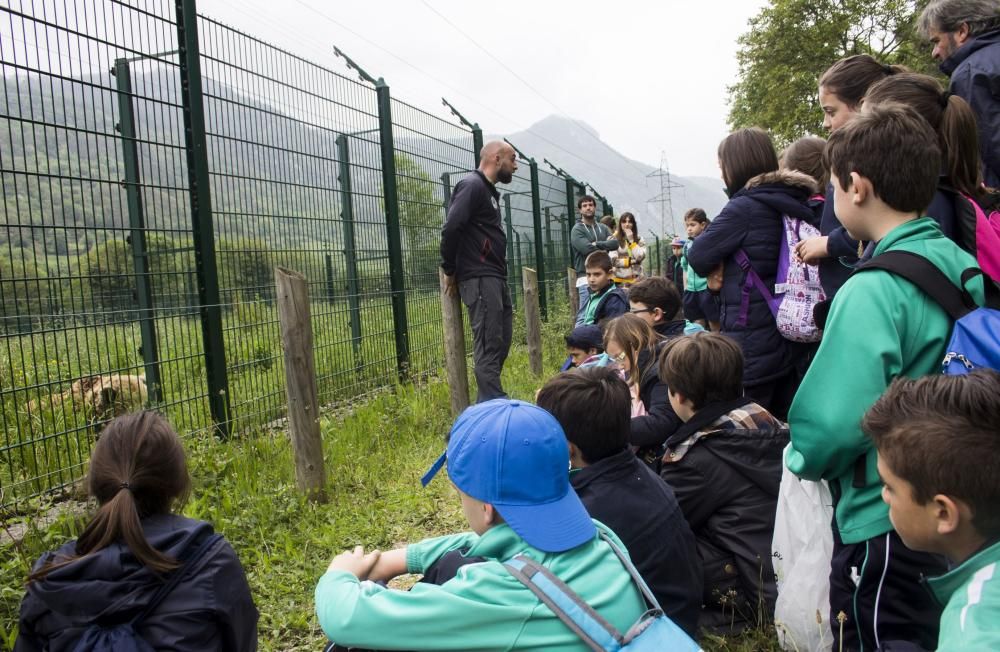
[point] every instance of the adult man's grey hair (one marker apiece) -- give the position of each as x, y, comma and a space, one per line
947, 15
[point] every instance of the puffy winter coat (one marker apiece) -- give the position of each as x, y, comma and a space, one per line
211, 609
751, 222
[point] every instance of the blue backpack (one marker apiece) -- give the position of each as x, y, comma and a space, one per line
653, 630
975, 338
124, 637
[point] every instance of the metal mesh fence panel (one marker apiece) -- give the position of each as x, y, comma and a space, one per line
153, 182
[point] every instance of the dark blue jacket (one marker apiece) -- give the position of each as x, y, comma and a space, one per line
751, 221
638, 506
660, 421
975, 77
841, 247
473, 242
209, 610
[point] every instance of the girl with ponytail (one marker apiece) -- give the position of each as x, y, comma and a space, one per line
955, 123
138, 476
841, 90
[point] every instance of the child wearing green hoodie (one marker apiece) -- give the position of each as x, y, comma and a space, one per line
884, 168
938, 455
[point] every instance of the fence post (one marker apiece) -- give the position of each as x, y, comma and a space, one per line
201, 215
350, 245
300, 381
446, 188
137, 231
659, 257
511, 270
532, 321
574, 296
517, 256
393, 239
454, 349
477, 142
536, 215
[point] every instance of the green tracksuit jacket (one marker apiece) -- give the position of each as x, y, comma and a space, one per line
880, 326
971, 595
484, 607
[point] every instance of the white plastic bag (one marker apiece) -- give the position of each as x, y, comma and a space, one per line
801, 551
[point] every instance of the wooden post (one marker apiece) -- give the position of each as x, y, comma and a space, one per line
532, 319
454, 348
300, 381
574, 296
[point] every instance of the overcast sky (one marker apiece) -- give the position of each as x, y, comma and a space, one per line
648, 76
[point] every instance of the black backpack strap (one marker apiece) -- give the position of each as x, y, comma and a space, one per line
188, 560
956, 301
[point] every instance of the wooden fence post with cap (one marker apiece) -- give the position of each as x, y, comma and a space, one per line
454, 348
532, 319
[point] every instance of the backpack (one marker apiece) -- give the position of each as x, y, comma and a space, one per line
979, 228
124, 637
797, 289
653, 630
975, 338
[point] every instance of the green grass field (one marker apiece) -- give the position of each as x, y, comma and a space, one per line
375, 451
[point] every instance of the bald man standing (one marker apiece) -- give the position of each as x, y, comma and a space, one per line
474, 260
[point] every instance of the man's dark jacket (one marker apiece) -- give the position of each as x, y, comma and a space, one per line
724, 466
211, 609
473, 242
624, 494
974, 69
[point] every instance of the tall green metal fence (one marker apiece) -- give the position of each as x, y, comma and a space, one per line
156, 166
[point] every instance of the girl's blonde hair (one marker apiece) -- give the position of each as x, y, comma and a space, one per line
633, 335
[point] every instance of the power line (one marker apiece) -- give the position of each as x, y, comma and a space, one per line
487, 107
528, 85
665, 198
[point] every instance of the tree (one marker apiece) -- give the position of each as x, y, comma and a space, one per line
421, 215
791, 42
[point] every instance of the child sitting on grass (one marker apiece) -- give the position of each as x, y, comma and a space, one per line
508, 460
938, 441
584, 344
724, 465
623, 493
657, 301
606, 301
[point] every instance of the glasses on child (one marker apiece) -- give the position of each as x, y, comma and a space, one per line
620, 357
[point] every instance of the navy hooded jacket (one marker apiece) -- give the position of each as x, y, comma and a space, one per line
751, 221
974, 69
211, 609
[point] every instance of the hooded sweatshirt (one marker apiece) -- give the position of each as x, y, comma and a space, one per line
211, 609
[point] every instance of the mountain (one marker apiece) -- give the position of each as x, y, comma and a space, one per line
576, 147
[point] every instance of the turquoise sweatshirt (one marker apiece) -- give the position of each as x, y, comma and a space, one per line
971, 595
880, 326
484, 607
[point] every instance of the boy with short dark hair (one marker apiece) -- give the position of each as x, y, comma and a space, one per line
620, 491
657, 301
582, 345
938, 442
700, 305
605, 301
507, 459
885, 165
724, 465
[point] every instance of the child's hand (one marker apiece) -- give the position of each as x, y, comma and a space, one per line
812, 250
390, 564
355, 562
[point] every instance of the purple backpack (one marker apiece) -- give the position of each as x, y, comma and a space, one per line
797, 289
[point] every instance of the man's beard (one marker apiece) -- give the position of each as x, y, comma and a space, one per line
503, 176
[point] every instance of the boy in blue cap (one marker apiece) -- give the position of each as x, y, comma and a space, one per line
508, 460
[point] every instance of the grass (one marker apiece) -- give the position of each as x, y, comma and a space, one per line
375, 452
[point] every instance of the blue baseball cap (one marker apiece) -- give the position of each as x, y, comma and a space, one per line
514, 456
